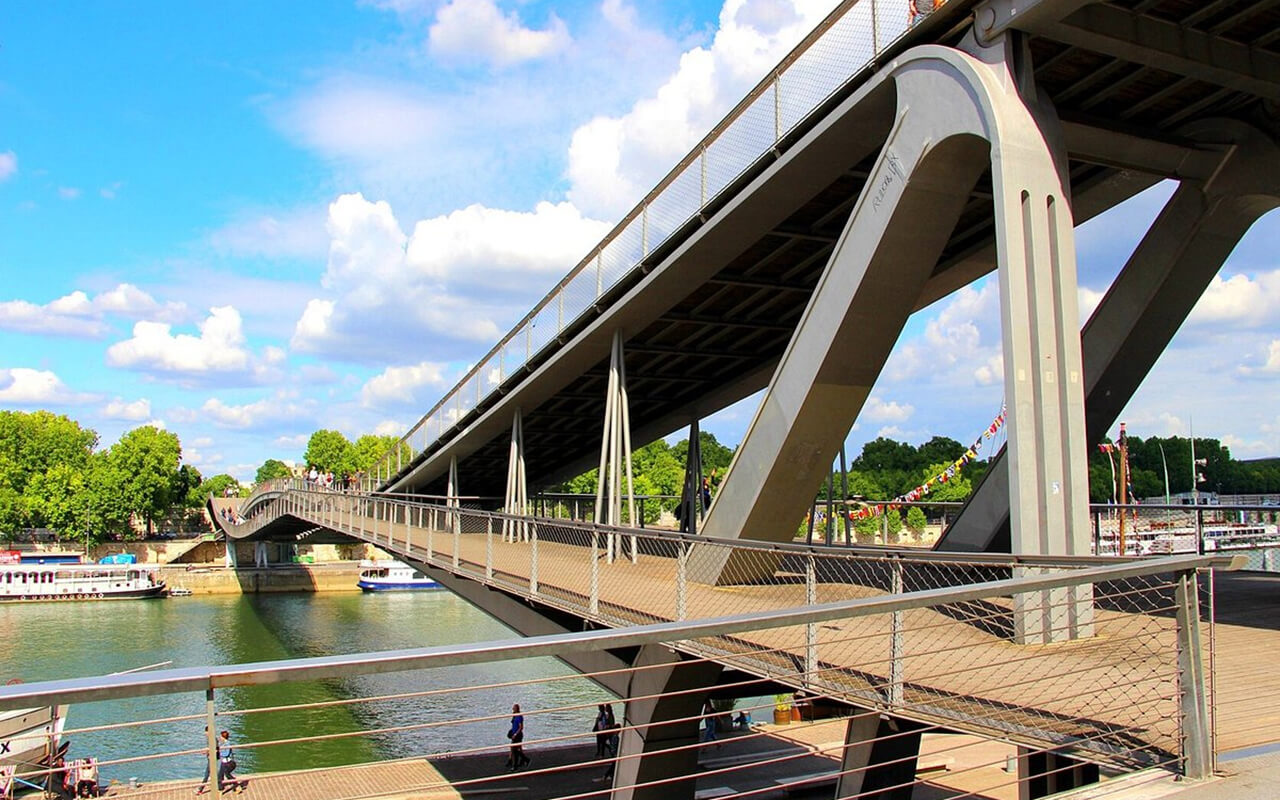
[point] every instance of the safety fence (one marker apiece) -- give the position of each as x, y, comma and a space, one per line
1127, 688
772, 115
979, 647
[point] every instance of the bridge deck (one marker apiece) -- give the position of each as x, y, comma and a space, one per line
1114, 690
389, 780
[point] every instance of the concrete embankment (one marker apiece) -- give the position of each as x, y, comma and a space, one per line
339, 577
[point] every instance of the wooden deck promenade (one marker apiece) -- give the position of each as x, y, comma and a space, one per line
414, 779
955, 666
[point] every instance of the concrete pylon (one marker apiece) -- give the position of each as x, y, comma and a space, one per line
1151, 297
659, 692
957, 115
516, 502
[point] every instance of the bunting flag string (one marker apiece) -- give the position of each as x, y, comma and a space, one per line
946, 475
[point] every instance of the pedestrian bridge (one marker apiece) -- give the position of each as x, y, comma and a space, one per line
1086, 658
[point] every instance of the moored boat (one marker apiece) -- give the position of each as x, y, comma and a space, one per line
43, 582
392, 576
29, 737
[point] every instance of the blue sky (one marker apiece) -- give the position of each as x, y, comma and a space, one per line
214, 217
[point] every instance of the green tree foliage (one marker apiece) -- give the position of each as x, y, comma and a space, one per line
272, 469
186, 488
329, 450
956, 489
147, 461
916, 520
39, 453
369, 450
216, 486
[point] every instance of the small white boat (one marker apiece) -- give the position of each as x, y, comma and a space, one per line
180, 591
392, 576
29, 736
42, 582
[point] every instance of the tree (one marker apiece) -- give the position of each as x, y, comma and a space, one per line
957, 488
147, 461
216, 486
916, 521
369, 449
186, 488
329, 451
272, 469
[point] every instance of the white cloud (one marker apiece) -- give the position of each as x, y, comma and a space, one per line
961, 338
109, 192
1270, 364
484, 246
402, 385
478, 31
390, 427
876, 410
219, 349
77, 315
136, 411
288, 234
203, 441
298, 440
1240, 301
360, 119
258, 415
614, 160
388, 291
8, 165
30, 387
68, 192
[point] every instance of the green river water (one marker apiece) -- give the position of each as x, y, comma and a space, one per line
55, 640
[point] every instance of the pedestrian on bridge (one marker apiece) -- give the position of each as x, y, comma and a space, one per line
517, 759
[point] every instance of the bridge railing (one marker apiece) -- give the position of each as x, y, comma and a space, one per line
1133, 694
941, 659
842, 48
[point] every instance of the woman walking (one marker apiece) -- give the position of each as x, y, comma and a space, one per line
517, 759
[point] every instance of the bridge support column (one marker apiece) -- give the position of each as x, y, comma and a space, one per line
957, 114
517, 499
879, 753
692, 505
1044, 772
615, 455
455, 516
656, 696
1151, 297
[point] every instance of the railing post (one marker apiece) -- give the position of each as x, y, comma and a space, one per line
457, 535
488, 549
682, 578
533, 558
810, 630
211, 735
594, 605
1197, 756
896, 650
431, 532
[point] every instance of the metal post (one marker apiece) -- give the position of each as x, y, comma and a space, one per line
682, 580
830, 527
488, 549
211, 734
533, 559
844, 497
595, 573
810, 630
1199, 531
897, 650
1197, 758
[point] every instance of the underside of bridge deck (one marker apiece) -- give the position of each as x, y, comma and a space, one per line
707, 316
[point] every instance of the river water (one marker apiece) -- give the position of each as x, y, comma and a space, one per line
49, 641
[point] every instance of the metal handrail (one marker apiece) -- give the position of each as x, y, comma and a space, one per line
870, 552
111, 687
772, 82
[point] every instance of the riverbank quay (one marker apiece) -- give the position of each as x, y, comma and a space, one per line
204, 579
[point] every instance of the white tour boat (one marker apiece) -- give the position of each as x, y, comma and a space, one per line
392, 576
40, 582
